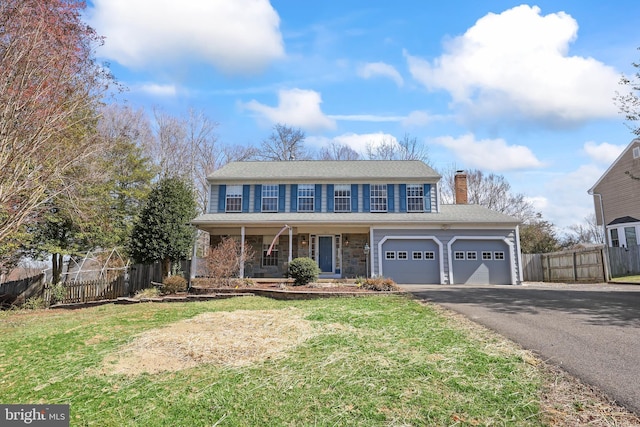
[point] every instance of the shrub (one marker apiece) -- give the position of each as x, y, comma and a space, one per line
33, 303
378, 284
173, 284
223, 261
58, 292
303, 270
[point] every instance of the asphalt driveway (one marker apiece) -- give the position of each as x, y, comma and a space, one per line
591, 331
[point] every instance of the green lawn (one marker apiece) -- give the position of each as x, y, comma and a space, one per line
375, 361
626, 279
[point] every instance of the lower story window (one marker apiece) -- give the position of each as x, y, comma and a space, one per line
615, 241
269, 259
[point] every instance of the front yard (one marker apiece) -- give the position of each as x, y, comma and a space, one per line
250, 361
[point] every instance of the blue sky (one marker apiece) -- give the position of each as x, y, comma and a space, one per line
522, 90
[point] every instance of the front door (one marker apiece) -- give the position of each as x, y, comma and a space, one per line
325, 254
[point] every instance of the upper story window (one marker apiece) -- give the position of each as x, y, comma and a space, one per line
270, 198
415, 198
306, 196
234, 198
636, 152
342, 198
378, 197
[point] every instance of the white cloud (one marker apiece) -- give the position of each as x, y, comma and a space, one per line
360, 142
418, 119
604, 153
157, 89
375, 69
296, 107
233, 35
516, 64
569, 202
367, 118
489, 154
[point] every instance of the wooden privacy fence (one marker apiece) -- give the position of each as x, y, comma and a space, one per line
18, 291
580, 265
624, 261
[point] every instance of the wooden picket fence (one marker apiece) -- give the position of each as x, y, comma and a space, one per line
93, 290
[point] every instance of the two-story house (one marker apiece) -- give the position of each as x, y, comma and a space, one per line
359, 218
616, 198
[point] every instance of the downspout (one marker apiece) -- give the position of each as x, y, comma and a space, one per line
604, 226
519, 254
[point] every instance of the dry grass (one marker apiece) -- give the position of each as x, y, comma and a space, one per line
237, 338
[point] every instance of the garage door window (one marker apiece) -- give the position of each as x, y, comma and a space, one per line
459, 255
471, 256
403, 255
429, 255
416, 255
487, 256
498, 255
390, 255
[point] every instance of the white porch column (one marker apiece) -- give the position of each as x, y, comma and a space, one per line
290, 244
242, 252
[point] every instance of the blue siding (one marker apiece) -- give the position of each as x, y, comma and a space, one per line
294, 197
390, 200
366, 198
282, 190
354, 197
246, 190
427, 197
403, 197
222, 196
257, 198
330, 197
318, 198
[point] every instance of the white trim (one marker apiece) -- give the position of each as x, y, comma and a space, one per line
519, 255
241, 273
433, 238
622, 237
290, 244
333, 255
504, 239
372, 272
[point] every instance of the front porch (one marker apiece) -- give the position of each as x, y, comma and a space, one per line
339, 255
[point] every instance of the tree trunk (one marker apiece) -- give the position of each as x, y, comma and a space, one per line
166, 267
56, 268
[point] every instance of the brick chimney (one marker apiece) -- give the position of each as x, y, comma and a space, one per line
461, 187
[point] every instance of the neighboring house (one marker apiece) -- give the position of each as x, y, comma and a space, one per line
616, 197
360, 218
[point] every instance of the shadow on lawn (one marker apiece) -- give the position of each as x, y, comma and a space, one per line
619, 308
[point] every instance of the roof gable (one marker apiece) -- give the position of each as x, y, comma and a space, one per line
304, 170
635, 142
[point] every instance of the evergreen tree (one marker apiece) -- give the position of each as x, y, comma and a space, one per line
162, 231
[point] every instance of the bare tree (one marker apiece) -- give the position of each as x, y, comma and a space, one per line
337, 151
492, 191
629, 101
223, 261
285, 143
50, 86
407, 148
587, 232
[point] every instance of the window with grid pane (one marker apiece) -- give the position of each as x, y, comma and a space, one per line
306, 194
272, 258
234, 198
270, 198
378, 197
415, 198
342, 198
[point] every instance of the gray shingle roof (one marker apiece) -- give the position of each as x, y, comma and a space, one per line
326, 169
449, 214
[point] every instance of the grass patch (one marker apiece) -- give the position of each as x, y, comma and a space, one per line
626, 279
362, 361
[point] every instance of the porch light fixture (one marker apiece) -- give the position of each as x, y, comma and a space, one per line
346, 240
367, 249
304, 240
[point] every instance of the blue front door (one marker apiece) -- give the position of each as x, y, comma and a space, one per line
325, 254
